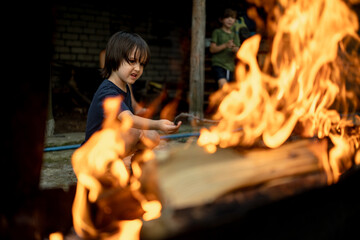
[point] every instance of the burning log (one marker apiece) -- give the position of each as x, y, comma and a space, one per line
191, 180
314, 212
195, 177
104, 208
119, 203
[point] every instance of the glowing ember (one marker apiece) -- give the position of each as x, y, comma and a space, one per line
56, 236
103, 179
302, 88
130, 230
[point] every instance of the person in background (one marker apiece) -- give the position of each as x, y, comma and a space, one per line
125, 58
224, 44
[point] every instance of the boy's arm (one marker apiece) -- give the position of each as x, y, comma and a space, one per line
138, 109
216, 48
163, 125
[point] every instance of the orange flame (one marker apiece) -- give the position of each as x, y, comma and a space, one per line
302, 87
101, 171
56, 236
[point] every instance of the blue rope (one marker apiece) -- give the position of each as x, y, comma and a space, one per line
60, 148
180, 135
75, 146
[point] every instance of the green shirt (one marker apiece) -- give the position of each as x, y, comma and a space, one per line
226, 57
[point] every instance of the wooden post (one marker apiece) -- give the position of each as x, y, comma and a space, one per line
197, 58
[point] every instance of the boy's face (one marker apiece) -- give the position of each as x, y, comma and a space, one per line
228, 22
132, 71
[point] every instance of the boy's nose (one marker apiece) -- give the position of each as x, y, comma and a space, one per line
137, 66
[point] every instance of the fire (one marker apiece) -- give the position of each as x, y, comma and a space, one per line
307, 86
56, 236
105, 185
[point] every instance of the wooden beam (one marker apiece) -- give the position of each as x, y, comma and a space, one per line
197, 58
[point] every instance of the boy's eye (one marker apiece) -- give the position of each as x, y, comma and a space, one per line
134, 61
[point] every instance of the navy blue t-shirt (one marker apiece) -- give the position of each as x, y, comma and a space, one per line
96, 112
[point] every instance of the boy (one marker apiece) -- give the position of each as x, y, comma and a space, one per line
126, 56
224, 44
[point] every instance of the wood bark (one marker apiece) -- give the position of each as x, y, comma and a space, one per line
191, 177
197, 58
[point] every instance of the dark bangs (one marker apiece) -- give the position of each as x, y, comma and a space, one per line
142, 52
120, 47
229, 13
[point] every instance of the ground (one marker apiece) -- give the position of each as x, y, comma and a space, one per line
57, 171
66, 122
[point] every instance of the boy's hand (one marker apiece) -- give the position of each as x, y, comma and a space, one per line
235, 48
230, 44
168, 127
